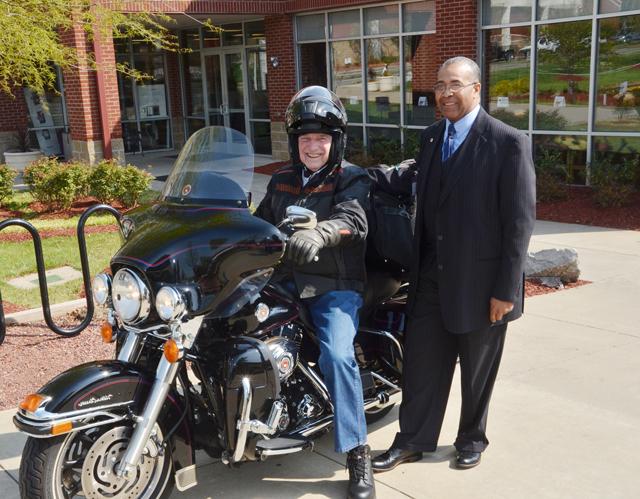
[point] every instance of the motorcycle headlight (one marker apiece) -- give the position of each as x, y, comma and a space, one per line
169, 303
100, 288
130, 297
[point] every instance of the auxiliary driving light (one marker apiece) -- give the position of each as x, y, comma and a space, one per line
169, 303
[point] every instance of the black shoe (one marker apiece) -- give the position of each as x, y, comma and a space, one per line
361, 484
467, 459
394, 457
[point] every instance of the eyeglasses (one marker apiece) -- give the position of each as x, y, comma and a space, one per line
454, 88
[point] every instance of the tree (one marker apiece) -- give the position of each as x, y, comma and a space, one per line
31, 37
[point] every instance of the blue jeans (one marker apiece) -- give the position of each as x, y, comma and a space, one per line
335, 316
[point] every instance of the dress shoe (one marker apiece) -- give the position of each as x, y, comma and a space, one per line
467, 459
394, 457
361, 483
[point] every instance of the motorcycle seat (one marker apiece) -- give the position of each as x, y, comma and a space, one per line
381, 285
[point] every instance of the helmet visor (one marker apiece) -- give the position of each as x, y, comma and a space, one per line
325, 113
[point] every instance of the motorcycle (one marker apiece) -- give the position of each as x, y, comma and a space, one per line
211, 353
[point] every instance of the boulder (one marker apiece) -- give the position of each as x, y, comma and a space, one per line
560, 263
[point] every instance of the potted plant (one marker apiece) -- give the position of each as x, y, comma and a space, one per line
21, 153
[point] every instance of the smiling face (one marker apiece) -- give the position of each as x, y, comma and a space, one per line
314, 149
454, 106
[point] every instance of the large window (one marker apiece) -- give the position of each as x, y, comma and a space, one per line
224, 80
143, 104
566, 72
379, 60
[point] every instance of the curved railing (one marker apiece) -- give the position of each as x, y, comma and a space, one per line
42, 278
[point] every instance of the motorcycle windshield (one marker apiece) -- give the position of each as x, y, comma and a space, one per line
215, 166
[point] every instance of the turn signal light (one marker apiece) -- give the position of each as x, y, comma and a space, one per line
31, 402
60, 428
106, 331
172, 352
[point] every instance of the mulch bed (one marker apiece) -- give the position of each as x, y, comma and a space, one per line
76, 209
579, 208
532, 287
38, 351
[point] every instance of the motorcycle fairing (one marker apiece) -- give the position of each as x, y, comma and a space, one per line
212, 248
103, 392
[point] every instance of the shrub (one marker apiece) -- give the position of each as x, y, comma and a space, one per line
134, 183
110, 182
105, 180
56, 185
383, 150
613, 183
551, 176
6, 182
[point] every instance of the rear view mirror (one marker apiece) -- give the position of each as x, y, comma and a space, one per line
301, 218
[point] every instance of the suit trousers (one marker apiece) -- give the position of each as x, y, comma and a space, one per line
430, 358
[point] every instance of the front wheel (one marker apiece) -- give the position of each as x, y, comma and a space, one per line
82, 464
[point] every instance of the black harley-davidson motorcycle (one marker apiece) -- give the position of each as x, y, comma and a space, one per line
211, 354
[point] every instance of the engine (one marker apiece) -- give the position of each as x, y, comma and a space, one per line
303, 402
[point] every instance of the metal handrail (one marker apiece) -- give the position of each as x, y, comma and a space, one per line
42, 277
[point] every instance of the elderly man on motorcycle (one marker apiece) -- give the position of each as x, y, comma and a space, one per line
325, 265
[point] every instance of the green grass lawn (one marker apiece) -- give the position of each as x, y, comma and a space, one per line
17, 259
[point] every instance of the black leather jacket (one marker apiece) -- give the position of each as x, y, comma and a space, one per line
340, 198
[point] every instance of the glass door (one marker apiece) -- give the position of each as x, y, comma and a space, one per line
224, 73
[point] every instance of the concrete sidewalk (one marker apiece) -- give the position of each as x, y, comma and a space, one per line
564, 418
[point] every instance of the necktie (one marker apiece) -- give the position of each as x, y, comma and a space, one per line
447, 149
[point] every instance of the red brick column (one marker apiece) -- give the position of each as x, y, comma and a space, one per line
82, 98
176, 111
456, 28
281, 80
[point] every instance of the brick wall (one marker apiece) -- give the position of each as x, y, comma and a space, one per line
176, 110
456, 28
13, 111
81, 93
281, 81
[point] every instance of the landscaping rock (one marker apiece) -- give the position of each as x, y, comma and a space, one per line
551, 282
560, 263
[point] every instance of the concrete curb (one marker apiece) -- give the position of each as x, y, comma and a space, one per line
36, 314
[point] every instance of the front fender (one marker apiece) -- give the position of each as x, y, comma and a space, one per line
100, 393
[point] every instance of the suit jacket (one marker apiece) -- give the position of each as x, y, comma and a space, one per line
484, 220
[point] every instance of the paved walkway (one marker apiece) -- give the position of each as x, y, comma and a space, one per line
564, 418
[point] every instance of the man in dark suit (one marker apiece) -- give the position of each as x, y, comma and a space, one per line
474, 217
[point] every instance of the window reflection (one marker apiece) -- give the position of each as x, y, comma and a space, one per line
310, 27
257, 73
419, 16
611, 6
346, 69
618, 78
381, 20
572, 150
564, 55
558, 9
617, 149
507, 64
313, 64
506, 11
344, 24
383, 80
420, 69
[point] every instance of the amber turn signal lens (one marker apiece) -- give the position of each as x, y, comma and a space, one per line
106, 331
31, 402
61, 428
172, 351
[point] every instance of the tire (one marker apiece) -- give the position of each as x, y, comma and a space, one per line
43, 475
376, 414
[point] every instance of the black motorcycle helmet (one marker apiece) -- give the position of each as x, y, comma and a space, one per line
316, 109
